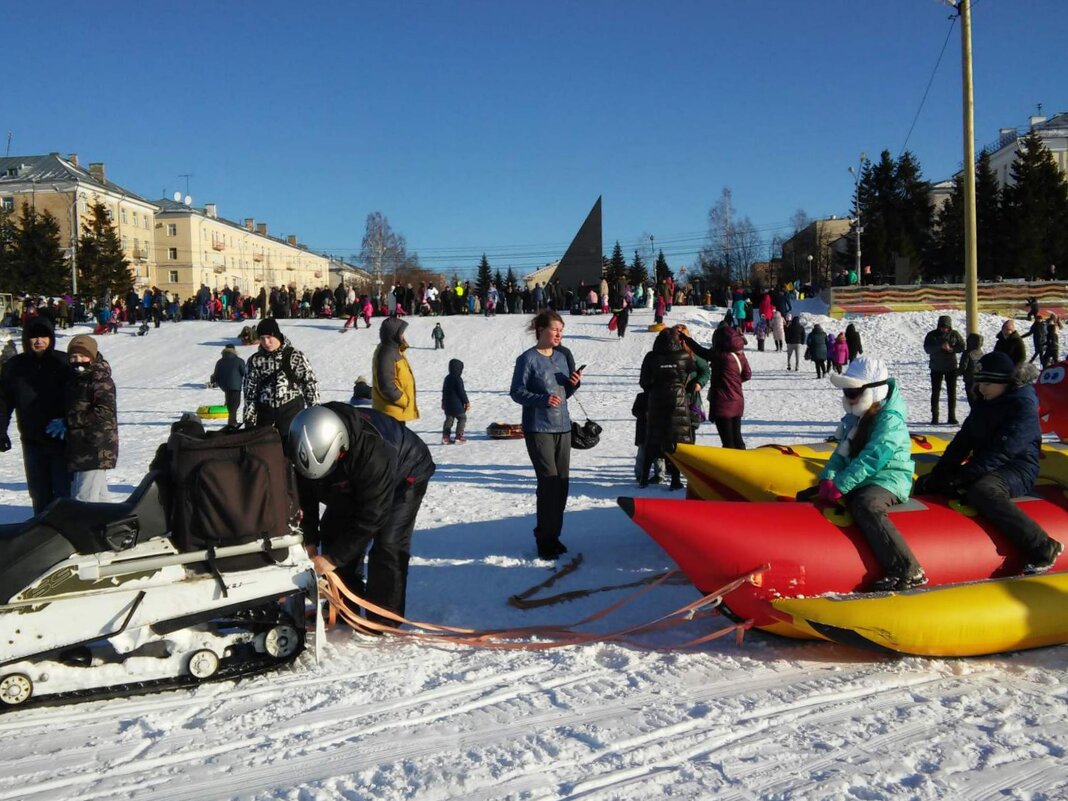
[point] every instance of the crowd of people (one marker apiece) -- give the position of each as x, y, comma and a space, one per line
363, 474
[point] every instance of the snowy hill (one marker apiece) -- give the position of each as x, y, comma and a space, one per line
768, 718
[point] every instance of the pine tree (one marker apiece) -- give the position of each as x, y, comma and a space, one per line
617, 267
1035, 209
37, 264
989, 225
485, 276
638, 274
895, 212
102, 266
510, 279
8, 232
661, 269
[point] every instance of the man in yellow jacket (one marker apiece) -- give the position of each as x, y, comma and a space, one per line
393, 390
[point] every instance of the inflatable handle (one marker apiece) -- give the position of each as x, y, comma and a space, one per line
785, 450
838, 516
963, 508
922, 441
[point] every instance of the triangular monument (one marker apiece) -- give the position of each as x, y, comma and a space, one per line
582, 263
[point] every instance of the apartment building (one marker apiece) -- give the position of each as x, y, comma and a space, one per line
60, 185
1053, 131
196, 246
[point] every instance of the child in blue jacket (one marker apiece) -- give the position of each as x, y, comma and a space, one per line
871, 470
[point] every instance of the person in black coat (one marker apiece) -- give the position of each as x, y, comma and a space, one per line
229, 376
1001, 441
454, 402
622, 318
1011, 343
795, 340
816, 348
372, 488
944, 346
853, 341
31, 387
664, 374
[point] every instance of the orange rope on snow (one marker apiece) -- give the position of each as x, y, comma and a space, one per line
536, 638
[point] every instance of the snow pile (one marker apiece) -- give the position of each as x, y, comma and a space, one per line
770, 718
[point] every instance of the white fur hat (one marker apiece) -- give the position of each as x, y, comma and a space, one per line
864, 371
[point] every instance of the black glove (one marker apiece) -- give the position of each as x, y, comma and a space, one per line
5, 443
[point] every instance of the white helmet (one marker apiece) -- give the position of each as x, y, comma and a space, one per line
316, 439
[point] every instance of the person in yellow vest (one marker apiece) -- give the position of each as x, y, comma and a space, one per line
393, 383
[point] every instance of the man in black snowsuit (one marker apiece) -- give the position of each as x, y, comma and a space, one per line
944, 346
31, 386
229, 376
371, 472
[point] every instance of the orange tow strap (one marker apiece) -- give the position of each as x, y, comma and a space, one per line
341, 599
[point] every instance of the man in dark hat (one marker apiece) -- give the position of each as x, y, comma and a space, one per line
32, 387
944, 346
1001, 441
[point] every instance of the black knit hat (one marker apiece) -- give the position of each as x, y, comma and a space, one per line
995, 368
269, 327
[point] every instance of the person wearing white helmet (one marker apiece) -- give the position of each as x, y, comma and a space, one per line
871, 469
371, 472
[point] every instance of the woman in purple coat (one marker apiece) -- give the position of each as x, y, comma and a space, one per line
730, 369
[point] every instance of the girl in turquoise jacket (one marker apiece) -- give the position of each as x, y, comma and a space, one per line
871, 470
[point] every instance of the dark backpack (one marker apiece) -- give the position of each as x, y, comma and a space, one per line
229, 488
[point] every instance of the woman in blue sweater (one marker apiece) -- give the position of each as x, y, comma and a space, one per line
541, 383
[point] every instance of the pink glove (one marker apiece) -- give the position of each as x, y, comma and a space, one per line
829, 492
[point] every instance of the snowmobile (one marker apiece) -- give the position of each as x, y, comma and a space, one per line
97, 600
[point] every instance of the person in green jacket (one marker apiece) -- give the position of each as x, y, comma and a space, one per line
696, 382
871, 470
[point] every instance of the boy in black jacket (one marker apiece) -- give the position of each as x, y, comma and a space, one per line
454, 402
994, 458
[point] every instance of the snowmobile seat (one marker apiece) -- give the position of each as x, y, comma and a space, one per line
96, 527
69, 527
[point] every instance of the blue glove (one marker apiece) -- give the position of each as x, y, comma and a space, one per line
57, 427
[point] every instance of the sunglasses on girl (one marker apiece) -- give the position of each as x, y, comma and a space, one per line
855, 392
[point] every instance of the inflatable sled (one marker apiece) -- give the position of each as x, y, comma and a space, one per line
213, 413
984, 617
505, 431
812, 549
654, 327
101, 598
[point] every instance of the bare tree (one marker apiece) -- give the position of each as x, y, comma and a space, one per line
384, 252
733, 245
800, 220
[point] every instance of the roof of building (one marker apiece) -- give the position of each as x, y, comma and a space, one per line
168, 206
51, 169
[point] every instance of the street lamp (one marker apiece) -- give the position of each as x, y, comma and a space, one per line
809, 257
856, 196
72, 219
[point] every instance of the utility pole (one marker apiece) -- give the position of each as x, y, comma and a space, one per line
971, 260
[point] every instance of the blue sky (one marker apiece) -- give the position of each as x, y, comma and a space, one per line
493, 126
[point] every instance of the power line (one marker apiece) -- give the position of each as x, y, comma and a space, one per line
952, 23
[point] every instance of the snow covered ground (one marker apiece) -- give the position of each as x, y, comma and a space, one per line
767, 719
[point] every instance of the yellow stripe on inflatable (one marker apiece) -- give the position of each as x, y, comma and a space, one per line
984, 617
775, 472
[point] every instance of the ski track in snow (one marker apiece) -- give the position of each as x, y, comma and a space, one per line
767, 719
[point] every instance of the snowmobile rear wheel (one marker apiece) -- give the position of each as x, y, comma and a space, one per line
203, 664
282, 642
15, 689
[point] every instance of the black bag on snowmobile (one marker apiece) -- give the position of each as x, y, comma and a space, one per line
229, 488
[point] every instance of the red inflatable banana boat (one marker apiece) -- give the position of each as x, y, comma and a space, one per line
812, 550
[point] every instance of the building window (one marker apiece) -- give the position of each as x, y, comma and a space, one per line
146, 222
125, 243
174, 276
172, 229
122, 214
135, 219
172, 254
9, 204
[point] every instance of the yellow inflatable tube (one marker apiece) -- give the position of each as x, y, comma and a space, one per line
771, 472
779, 472
984, 617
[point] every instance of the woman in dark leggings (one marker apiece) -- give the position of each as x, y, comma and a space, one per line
730, 369
664, 374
